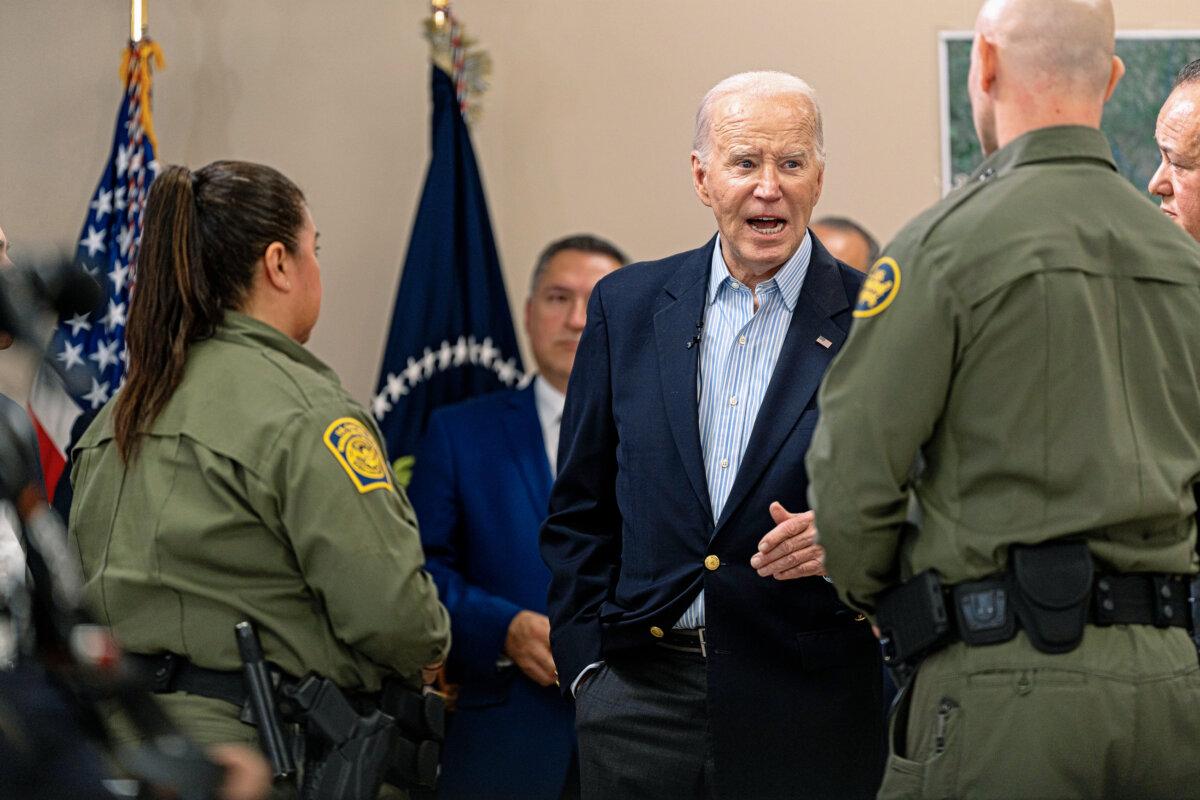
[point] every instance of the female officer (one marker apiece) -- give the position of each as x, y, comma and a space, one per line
233, 478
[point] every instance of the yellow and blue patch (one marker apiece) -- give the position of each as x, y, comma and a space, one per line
879, 289
359, 454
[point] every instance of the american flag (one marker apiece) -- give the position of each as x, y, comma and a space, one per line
91, 347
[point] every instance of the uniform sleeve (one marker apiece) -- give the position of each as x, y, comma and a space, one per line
479, 619
580, 540
879, 403
355, 537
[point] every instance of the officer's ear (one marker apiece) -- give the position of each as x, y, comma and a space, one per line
987, 60
1118, 70
273, 267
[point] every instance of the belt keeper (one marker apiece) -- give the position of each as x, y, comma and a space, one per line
163, 679
1105, 605
1165, 611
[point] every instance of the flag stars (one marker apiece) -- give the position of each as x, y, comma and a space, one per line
461, 351
77, 323
114, 317
122, 159
119, 199
119, 276
395, 387
98, 396
105, 355
506, 371
102, 204
412, 373
380, 406
125, 239
94, 241
71, 355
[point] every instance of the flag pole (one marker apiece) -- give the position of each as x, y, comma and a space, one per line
138, 22
439, 12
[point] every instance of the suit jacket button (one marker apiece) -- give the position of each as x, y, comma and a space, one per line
712, 562
656, 631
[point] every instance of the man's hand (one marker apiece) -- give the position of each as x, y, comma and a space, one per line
790, 549
247, 773
528, 645
429, 672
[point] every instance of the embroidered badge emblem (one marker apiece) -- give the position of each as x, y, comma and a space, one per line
880, 288
356, 450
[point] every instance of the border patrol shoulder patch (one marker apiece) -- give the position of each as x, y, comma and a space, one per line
879, 289
356, 450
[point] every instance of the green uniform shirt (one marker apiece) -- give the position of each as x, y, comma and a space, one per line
259, 493
1035, 339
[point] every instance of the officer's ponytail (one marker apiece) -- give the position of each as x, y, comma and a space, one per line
202, 234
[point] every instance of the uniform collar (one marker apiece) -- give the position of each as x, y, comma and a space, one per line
245, 330
1057, 143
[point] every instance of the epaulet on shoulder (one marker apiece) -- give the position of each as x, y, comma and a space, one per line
928, 221
308, 385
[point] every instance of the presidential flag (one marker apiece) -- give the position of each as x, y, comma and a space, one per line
451, 332
91, 347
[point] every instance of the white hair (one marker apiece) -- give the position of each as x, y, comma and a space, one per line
764, 83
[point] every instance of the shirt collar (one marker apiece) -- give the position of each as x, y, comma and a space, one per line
549, 400
244, 329
789, 279
1056, 143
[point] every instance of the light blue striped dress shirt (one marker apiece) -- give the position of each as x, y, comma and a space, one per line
738, 351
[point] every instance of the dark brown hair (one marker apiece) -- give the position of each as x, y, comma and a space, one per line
202, 235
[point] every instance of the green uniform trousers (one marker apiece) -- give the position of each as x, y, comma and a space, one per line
1117, 717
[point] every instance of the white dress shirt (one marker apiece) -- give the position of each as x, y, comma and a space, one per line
549, 403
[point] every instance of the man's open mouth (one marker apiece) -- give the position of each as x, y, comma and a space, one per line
766, 225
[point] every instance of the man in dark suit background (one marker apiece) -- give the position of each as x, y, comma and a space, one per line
480, 490
706, 654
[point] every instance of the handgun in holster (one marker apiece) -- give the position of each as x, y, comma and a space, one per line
347, 754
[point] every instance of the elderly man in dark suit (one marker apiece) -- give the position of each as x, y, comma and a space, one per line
707, 655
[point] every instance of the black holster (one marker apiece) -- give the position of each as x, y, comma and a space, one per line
346, 754
1052, 585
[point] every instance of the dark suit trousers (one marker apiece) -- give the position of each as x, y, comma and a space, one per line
643, 729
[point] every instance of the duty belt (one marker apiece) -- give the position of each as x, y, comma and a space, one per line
1050, 592
170, 672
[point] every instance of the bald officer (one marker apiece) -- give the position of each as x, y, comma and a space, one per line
1035, 339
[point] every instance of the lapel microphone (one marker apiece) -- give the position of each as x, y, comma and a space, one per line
695, 340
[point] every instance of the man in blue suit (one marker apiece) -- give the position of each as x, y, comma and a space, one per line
480, 488
689, 617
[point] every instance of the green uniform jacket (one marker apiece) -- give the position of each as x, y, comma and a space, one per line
1035, 339
259, 493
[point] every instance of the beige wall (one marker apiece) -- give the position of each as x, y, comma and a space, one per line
587, 125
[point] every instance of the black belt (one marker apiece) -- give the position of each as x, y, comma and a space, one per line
1132, 599
169, 673
921, 615
686, 640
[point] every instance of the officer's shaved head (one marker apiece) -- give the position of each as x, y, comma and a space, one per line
1037, 63
1068, 43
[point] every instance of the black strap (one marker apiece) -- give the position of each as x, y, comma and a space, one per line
1141, 599
169, 672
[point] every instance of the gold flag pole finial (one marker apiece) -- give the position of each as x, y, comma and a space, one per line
138, 22
439, 12
455, 54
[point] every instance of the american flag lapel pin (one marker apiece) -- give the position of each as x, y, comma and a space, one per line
821, 340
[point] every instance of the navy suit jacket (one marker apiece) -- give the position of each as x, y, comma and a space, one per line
480, 488
793, 676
